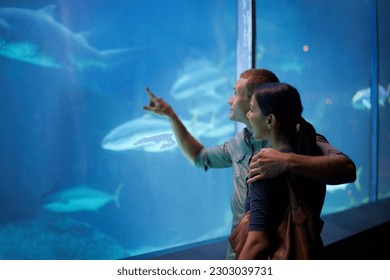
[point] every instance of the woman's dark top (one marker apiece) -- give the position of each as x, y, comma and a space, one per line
268, 198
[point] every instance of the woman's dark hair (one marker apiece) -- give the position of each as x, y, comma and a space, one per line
284, 101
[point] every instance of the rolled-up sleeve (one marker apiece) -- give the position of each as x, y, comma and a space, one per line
214, 157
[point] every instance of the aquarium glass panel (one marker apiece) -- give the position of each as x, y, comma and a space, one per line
85, 172
384, 99
323, 49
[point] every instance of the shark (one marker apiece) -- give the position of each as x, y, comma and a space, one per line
80, 198
151, 134
145, 133
34, 36
199, 78
204, 106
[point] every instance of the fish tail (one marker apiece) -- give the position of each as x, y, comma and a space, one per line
357, 182
117, 194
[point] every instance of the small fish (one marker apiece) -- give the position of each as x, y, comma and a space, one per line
81, 198
362, 98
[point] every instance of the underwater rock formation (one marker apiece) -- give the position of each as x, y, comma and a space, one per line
51, 237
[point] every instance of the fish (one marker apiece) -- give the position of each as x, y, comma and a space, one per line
206, 106
80, 198
362, 98
146, 133
199, 78
35, 37
151, 134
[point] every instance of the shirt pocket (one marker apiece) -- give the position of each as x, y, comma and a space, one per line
240, 162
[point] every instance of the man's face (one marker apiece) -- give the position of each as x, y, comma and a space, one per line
239, 102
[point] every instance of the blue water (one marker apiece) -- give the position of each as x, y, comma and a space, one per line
59, 100
55, 114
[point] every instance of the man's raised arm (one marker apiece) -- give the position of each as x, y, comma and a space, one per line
189, 146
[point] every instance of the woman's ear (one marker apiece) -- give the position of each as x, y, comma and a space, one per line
271, 121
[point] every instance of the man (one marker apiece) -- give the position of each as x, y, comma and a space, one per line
332, 168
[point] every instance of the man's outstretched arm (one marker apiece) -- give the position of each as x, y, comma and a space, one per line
189, 146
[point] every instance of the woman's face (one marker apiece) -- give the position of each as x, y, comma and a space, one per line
258, 122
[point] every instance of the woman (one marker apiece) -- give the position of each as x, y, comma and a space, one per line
275, 115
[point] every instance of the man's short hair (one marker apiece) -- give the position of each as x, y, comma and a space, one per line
257, 77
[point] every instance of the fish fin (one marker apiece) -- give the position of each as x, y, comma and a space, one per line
357, 182
117, 194
117, 56
213, 92
49, 10
194, 119
367, 104
388, 93
148, 116
83, 35
192, 126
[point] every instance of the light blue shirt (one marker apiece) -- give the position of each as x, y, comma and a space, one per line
235, 153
